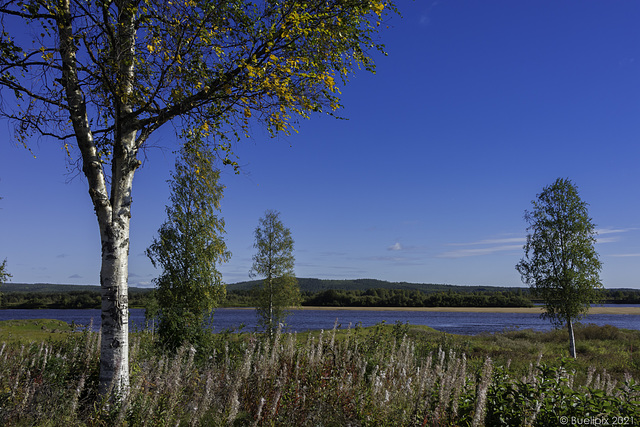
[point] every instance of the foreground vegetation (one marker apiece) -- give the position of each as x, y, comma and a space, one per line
384, 375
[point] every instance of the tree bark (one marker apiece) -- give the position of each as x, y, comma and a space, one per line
572, 340
270, 307
114, 347
113, 213
114, 234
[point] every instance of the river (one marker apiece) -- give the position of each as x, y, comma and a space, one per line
466, 323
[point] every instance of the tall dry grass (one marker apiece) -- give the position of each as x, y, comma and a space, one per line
360, 378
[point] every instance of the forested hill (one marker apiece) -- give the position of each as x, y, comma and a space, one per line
55, 288
318, 285
306, 285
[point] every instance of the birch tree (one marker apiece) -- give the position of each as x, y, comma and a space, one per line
101, 76
188, 248
274, 262
561, 264
4, 274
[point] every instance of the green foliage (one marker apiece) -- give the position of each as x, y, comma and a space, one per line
274, 261
561, 265
4, 274
188, 249
549, 397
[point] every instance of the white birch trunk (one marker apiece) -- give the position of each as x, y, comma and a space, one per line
113, 210
572, 340
114, 347
114, 233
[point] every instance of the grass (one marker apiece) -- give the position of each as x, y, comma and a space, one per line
608, 348
33, 330
386, 375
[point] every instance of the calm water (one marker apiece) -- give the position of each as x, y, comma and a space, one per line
302, 320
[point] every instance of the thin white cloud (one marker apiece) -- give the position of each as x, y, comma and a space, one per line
614, 230
478, 251
611, 239
396, 260
625, 255
607, 239
395, 247
492, 242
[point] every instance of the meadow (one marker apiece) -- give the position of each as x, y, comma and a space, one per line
386, 375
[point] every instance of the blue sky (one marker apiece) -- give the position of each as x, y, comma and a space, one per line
477, 107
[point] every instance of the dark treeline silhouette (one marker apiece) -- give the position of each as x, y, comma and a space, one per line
60, 296
395, 298
71, 300
412, 298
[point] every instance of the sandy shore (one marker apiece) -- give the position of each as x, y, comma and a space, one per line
593, 310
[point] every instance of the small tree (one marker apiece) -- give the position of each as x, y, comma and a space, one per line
274, 261
560, 264
188, 248
4, 276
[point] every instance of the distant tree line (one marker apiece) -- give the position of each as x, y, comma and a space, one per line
68, 300
412, 298
327, 298
622, 296
380, 297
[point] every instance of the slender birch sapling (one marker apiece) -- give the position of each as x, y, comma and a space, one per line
274, 262
4, 274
